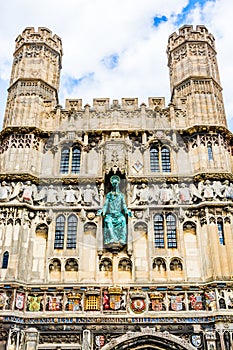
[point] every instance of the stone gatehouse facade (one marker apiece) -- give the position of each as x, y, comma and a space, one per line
171, 285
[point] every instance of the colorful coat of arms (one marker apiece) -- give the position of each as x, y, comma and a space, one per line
3, 298
156, 301
138, 301
115, 301
20, 301
177, 302
74, 302
230, 299
210, 300
196, 340
100, 340
54, 303
196, 301
115, 297
34, 303
106, 301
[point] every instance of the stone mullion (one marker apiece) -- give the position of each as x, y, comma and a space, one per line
214, 250
115, 269
229, 246
151, 247
181, 245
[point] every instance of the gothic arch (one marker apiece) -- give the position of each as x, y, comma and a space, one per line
148, 340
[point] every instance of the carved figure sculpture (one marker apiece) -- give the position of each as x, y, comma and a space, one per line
141, 195
70, 195
16, 190
28, 190
184, 194
51, 195
195, 193
114, 212
165, 194
154, 193
4, 192
208, 191
228, 190
218, 188
90, 196
39, 196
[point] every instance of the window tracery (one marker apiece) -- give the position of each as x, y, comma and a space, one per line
160, 159
159, 264
70, 160
125, 265
165, 231
220, 232
5, 260
65, 231
176, 265
71, 265
105, 265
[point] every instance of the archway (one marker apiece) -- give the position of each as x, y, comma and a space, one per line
148, 339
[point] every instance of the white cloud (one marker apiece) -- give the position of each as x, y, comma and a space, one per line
94, 29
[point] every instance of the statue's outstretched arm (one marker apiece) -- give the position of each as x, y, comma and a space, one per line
103, 210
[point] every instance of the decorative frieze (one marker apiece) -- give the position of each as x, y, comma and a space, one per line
19, 141
117, 298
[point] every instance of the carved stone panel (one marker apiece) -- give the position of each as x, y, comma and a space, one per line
115, 157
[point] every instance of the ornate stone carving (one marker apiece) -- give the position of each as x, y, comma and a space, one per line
115, 158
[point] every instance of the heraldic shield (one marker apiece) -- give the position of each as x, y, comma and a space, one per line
196, 340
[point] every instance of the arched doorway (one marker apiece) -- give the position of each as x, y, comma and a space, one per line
148, 339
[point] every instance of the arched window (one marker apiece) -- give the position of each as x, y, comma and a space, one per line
159, 264
71, 232
160, 159
171, 231
105, 265
71, 265
125, 265
154, 159
59, 232
165, 231
159, 231
210, 151
166, 164
221, 233
64, 165
75, 168
66, 232
5, 260
55, 265
176, 265
70, 160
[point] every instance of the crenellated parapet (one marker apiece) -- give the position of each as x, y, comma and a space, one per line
42, 35
188, 33
194, 76
127, 104
35, 76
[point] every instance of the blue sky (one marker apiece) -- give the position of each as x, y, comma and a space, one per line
116, 48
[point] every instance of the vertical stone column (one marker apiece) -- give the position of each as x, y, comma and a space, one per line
221, 334
31, 339
86, 344
130, 237
210, 340
214, 252
99, 236
115, 261
229, 245
14, 339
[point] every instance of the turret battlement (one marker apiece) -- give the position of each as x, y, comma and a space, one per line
42, 35
188, 33
128, 104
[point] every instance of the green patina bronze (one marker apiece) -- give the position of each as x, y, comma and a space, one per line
114, 212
